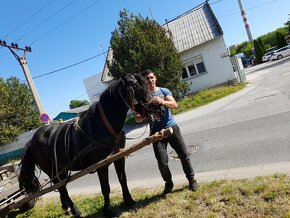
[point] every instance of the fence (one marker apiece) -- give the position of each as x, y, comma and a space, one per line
15, 150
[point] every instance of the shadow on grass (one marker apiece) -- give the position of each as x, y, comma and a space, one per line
117, 209
120, 208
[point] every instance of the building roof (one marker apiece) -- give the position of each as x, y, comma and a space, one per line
65, 116
71, 113
188, 30
106, 75
194, 27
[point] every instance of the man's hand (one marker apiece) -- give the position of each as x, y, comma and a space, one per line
156, 100
138, 118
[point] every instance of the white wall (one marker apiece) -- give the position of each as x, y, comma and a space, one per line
219, 68
94, 87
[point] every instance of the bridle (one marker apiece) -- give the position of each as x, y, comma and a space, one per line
119, 137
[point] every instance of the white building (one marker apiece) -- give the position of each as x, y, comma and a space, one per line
199, 39
94, 87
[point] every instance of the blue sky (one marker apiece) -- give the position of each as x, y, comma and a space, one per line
62, 33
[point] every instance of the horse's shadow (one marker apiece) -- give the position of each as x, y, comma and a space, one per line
122, 208
119, 208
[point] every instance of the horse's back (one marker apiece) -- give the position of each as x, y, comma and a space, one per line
42, 144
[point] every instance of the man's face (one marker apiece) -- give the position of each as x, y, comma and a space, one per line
151, 80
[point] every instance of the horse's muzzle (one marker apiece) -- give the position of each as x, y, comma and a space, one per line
156, 112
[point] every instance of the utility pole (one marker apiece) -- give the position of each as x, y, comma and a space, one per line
245, 19
23, 63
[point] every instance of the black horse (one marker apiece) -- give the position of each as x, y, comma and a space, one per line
60, 148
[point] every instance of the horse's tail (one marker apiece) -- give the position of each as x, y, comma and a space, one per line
27, 178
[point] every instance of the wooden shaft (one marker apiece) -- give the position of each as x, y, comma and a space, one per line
111, 158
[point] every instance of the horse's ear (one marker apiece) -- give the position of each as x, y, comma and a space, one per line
129, 79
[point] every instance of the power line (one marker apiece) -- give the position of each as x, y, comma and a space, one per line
29, 18
257, 6
215, 2
72, 17
72, 65
64, 105
41, 23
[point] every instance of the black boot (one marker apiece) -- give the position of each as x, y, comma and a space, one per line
193, 185
168, 188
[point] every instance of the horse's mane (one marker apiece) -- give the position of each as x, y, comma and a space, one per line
108, 92
112, 89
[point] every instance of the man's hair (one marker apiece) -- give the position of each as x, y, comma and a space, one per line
146, 72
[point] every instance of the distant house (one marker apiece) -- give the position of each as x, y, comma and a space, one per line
71, 113
199, 39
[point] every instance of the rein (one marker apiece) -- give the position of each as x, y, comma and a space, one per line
108, 125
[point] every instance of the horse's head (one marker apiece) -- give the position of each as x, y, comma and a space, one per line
139, 96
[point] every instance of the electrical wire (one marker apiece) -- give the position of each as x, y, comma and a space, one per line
72, 17
41, 23
72, 65
84, 93
248, 9
29, 18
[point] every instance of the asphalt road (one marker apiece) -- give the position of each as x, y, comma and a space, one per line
243, 134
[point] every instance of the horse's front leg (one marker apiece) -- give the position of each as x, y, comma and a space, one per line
120, 169
105, 187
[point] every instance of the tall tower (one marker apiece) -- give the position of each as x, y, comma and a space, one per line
247, 26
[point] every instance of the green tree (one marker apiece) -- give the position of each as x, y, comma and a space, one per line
141, 43
287, 24
269, 40
281, 41
244, 47
262, 45
258, 51
78, 103
18, 111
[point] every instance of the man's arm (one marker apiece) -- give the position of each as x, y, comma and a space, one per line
168, 102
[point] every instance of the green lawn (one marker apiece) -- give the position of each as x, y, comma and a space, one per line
258, 197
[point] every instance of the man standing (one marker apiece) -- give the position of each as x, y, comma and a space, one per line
164, 97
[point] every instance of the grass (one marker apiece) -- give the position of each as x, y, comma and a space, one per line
206, 96
199, 99
258, 197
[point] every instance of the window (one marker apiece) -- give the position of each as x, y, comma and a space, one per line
193, 67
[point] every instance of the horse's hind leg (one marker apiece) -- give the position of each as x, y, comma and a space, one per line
120, 169
66, 202
105, 187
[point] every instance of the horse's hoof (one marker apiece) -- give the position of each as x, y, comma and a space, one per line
108, 213
130, 203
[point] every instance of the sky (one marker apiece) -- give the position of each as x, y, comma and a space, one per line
69, 38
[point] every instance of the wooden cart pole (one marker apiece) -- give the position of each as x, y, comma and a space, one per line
111, 158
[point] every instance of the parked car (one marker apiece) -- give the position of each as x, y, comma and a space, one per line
244, 59
280, 53
271, 49
252, 59
266, 57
